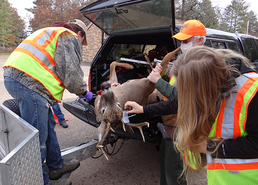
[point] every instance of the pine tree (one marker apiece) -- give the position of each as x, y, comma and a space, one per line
201, 10
5, 12
235, 17
252, 24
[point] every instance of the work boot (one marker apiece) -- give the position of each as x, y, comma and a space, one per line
68, 167
60, 182
64, 124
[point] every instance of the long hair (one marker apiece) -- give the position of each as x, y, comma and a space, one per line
202, 75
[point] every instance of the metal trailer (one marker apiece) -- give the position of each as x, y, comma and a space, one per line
20, 161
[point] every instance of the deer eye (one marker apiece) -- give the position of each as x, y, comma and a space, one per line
118, 104
103, 110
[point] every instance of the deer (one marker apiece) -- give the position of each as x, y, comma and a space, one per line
109, 106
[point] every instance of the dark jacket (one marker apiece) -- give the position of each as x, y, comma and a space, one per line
241, 147
166, 89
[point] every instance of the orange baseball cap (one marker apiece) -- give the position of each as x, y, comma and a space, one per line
190, 28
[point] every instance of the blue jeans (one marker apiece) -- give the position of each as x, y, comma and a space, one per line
36, 110
58, 112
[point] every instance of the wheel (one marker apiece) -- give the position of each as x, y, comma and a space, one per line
13, 105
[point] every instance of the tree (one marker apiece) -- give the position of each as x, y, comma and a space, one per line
252, 24
11, 25
235, 17
208, 14
48, 11
5, 10
201, 10
17, 27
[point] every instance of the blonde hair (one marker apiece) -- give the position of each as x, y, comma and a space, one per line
202, 75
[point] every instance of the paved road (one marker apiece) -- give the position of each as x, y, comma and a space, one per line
137, 163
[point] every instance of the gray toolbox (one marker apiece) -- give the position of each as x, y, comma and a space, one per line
20, 160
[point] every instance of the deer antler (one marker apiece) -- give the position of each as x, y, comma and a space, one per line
139, 126
100, 144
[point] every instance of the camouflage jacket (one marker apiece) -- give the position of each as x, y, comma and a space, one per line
68, 57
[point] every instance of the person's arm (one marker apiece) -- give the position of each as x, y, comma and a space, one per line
161, 85
243, 147
156, 109
166, 89
162, 108
68, 58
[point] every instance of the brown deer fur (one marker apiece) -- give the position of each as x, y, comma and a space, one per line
109, 105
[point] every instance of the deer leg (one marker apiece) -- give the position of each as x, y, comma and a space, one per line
113, 66
139, 126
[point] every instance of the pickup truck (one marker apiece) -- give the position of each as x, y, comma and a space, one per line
134, 28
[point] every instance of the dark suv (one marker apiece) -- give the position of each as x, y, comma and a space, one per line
134, 28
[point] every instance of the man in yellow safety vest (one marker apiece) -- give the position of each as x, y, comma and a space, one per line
36, 74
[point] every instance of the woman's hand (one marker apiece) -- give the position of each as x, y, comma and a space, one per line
154, 76
133, 107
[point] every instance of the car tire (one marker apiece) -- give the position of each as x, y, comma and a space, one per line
13, 105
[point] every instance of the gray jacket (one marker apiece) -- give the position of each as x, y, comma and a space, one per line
68, 57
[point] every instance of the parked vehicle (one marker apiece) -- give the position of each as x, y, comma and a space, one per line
134, 28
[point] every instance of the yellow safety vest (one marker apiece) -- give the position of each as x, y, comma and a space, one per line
35, 57
172, 81
230, 124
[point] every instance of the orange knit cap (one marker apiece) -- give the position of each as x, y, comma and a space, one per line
190, 28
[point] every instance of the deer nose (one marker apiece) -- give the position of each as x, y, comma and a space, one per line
105, 85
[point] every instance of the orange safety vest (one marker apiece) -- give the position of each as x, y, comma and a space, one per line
35, 57
230, 124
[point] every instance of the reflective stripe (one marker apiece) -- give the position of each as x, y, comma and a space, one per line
35, 57
172, 81
228, 121
40, 57
232, 164
41, 49
48, 35
220, 118
241, 104
231, 121
233, 161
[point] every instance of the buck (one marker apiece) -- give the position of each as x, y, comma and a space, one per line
109, 105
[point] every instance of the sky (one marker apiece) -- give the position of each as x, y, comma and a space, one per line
20, 5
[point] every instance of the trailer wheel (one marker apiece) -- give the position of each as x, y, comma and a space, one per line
13, 105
